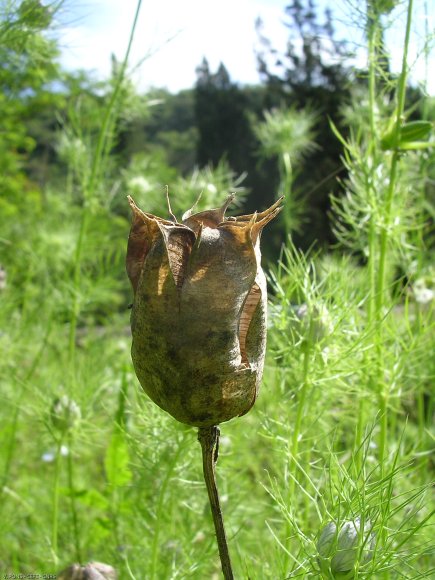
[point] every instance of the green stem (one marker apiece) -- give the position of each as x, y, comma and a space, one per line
106, 125
421, 416
297, 427
286, 189
76, 285
401, 95
383, 249
373, 34
103, 145
73, 499
10, 448
55, 517
383, 433
209, 440
302, 399
359, 435
161, 511
294, 449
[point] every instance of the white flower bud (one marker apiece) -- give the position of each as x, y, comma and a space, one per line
65, 414
422, 294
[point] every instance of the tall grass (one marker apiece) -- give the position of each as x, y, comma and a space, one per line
342, 427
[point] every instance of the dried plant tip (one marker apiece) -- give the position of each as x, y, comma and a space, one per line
169, 205
189, 212
278, 204
227, 203
210, 218
258, 226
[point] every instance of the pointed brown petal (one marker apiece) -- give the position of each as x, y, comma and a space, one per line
210, 218
189, 212
258, 226
261, 215
138, 211
179, 241
143, 232
253, 226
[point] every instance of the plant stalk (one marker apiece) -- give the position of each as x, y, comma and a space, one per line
74, 515
385, 234
56, 490
103, 145
294, 450
373, 36
161, 510
209, 440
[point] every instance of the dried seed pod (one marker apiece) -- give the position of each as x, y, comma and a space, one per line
199, 312
92, 571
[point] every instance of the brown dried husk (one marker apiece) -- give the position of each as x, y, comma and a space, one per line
199, 313
91, 571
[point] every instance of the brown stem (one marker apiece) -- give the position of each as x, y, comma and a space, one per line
209, 439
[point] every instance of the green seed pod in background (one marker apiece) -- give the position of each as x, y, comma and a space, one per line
92, 571
383, 6
422, 292
315, 322
65, 414
199, 312
339, 547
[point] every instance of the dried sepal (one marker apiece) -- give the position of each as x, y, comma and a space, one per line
210, 218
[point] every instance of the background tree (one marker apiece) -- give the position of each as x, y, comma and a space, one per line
223, 126
225, 114
165, 127
28, 67
312, 73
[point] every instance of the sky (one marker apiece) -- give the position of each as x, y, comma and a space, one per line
173, 36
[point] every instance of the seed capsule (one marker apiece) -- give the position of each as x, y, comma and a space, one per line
199, 312
92, 571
